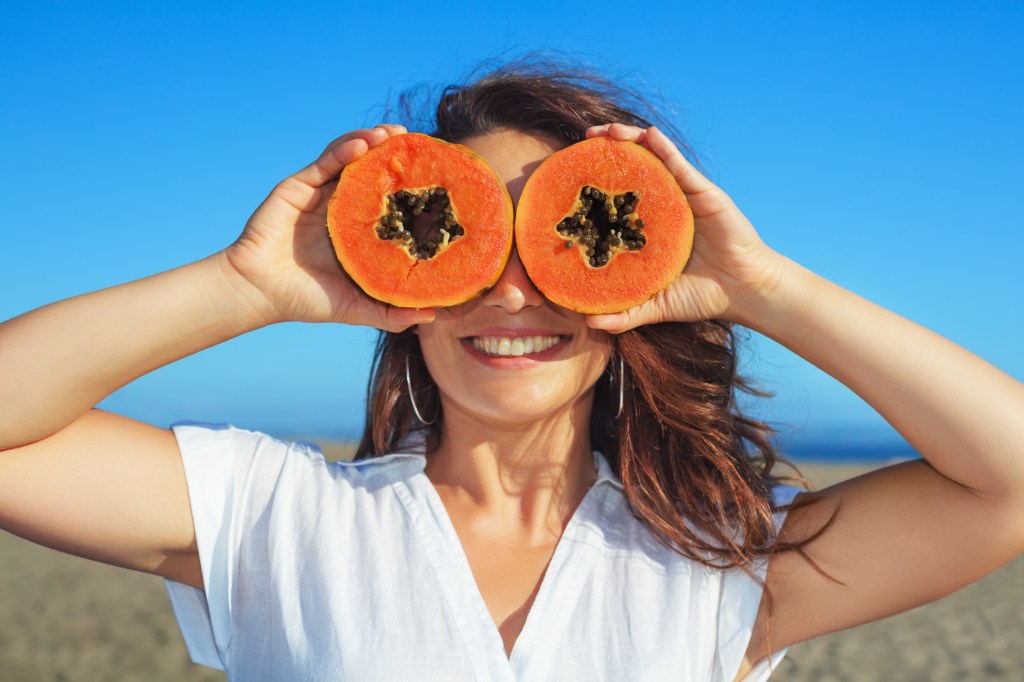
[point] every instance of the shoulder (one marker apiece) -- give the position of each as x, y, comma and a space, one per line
783, 495
219, 440
241, 451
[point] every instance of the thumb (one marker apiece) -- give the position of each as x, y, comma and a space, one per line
370, 312
400, 319
616, 323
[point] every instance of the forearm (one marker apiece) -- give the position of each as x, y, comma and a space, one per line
957, 410
60, 360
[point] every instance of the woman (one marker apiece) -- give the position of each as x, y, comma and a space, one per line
511, 550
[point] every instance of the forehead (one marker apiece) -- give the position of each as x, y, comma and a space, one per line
513, 154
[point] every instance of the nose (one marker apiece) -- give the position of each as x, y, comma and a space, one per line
513, 291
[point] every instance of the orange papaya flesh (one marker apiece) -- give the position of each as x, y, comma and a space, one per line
602, 226
420, 223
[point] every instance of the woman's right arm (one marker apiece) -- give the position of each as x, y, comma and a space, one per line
60, 360
111, 488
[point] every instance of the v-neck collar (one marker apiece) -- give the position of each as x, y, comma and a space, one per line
559, 589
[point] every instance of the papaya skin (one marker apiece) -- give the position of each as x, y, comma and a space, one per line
557, 265
464, 267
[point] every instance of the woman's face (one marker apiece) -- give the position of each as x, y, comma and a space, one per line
511, 355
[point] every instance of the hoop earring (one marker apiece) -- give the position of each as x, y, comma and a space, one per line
412, 399
622, 385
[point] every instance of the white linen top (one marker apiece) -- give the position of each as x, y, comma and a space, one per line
316, 570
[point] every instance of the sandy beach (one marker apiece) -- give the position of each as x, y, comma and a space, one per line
67, 619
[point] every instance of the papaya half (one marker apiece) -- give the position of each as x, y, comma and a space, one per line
418, 222
602, 226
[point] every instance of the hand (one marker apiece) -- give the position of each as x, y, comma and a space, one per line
729, 263
284, 262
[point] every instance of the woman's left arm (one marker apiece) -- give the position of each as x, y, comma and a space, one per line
907, 534
904, 535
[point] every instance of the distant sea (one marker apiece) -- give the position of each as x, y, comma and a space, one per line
843, 450
842, 447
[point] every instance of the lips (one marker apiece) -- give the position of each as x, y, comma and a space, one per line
514, 346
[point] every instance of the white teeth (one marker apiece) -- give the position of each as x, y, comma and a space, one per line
520, 345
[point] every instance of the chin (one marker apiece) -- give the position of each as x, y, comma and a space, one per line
515, 408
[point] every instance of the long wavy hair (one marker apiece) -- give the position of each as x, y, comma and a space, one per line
695, 470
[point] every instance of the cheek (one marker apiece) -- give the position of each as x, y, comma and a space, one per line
438, 356
594, 361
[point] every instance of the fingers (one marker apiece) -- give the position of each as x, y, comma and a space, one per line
338, 154
393, 129
400, 319
616, 323
344, 151
326, 190
688, 177
372, 313
618, 131
613, 323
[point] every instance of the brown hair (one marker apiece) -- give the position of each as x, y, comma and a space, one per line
682, 447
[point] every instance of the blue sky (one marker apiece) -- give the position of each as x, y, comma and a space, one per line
878, 144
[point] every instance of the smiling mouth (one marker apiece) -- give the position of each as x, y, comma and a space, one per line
503, 346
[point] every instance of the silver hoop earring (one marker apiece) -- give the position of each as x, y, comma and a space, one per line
622, 385
412, 399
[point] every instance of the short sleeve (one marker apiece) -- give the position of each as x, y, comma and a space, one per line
218, 460
740, 597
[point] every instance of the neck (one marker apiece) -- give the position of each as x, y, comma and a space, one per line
532, 475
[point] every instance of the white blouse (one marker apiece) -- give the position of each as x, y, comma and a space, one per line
317, 570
